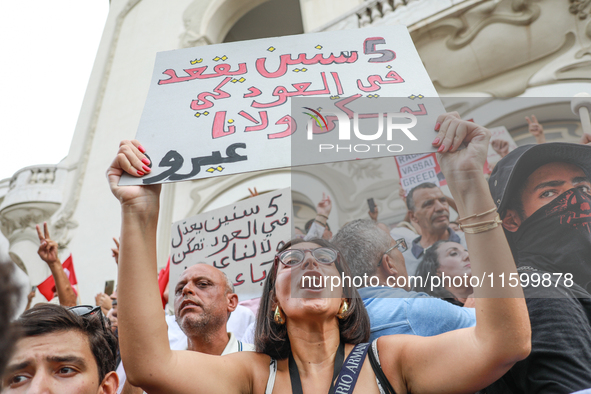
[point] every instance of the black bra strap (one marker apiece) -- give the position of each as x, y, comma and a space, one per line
377, 369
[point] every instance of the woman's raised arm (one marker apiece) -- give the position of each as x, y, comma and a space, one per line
145, 350
469, 359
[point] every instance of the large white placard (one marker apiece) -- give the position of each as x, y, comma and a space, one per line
226, 109
240, 239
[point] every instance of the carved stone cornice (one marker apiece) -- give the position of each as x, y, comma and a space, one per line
24, 216
463, 29
578, 8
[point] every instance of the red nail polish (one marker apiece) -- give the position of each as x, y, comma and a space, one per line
140, 173
146, 168
436, 141
141, 149
441, 148
146, 161
437, 126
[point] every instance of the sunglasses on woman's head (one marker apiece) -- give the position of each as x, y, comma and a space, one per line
295, 257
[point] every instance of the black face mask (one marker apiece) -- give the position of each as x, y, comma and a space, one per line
557, 237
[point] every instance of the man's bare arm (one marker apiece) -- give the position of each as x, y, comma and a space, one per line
48, 253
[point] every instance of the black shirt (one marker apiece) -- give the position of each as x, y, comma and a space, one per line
560, 360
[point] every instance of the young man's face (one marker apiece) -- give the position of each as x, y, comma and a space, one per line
55, 363
548, 182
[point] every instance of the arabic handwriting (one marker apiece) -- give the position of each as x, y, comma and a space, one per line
252, 278
291, 128
175, 161
245, 255
222, 265
376, 80
261, 125
285, 60
220, 70
253, 92
301, 89
238, 280
217, 94
193, 227
174, 246
178, 257
263, 250
219, 122
171, 159
282, 222
337, 82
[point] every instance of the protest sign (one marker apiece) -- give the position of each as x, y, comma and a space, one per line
240, 239
416, 169
227, 108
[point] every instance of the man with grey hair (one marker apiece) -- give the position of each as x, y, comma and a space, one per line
428, 208
371, 252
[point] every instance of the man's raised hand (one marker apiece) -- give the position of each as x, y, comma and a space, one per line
47, 248
535, 129
324, 206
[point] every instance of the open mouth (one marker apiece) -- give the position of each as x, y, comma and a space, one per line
312, 280
189, 304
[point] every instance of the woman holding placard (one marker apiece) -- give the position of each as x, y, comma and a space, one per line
304, 329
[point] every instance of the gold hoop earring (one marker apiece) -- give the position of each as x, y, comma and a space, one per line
278, 316
343, 310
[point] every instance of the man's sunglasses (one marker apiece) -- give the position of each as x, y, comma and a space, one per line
88, 311
295, 257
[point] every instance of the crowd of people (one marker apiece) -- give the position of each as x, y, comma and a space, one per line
496, 302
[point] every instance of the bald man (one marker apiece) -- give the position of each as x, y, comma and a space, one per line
203, 300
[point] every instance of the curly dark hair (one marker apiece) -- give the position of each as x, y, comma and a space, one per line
49, 318
429, 266
9, 294
271, 338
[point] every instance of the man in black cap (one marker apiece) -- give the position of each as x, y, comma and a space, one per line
543, 195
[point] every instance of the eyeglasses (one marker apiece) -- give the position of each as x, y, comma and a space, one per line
400, 245
295, 257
